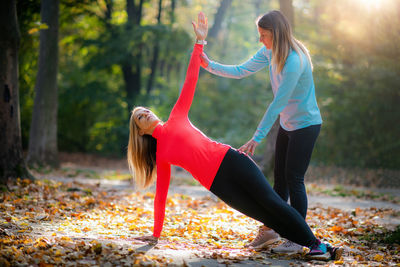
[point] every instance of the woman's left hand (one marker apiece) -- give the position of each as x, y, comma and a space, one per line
201, 28
249, 147
148, 238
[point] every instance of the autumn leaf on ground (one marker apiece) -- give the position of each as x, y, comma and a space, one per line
44, 223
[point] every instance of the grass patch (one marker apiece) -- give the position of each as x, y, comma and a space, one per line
87, 173
393, 237
386, 237
341, 191
117, 175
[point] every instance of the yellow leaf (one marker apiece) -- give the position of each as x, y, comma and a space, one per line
58, 253
378, 257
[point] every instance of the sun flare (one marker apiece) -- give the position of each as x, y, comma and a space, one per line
371, 4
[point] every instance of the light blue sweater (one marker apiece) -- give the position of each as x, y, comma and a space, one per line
293, 88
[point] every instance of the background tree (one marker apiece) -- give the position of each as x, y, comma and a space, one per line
268, 159
356, 80
286, 6
156, 51
43, 133
218, 19
132, 65
12, 164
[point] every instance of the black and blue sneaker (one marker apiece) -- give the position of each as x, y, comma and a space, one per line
324, 251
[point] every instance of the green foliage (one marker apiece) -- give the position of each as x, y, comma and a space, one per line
93, 108
359, 88
354, 49
393, 237
386, 237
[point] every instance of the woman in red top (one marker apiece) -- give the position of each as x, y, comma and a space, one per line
230, 175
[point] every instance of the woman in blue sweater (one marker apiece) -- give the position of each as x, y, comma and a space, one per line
290, 71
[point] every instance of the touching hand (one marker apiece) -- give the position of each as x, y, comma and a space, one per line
148, 238
249, 147
204, 61
201, 28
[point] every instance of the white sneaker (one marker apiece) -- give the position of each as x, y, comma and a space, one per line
264, 238
288, 247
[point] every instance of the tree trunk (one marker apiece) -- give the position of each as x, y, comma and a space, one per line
43, 133
267, 163
12, 164
156, 51
286, 6
268, 159
132, 68
218, 18
172, 12
216, 27
132, 79
164, 72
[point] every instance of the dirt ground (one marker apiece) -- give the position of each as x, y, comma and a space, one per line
87, 213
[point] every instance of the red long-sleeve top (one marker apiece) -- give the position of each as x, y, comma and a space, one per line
180, 143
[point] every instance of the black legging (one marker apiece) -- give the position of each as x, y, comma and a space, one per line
241, 185
293, 151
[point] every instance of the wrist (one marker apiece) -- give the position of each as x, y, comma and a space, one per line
201, 41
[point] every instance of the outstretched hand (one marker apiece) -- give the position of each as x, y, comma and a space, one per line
201, 27
249, 147
148, 238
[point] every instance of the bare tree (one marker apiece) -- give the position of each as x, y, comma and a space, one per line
12, 164
267, 163
131, 68
172, 12
286, 6
218, 18
156, 51
43, 133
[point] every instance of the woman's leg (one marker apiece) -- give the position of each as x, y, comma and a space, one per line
280, 184
299, 150
241, 184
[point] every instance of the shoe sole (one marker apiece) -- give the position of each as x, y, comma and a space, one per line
335, 254
267, 243
324, 257
287, 251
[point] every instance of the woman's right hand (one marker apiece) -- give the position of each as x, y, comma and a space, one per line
201, 28
204, 61
249, 147
148, 238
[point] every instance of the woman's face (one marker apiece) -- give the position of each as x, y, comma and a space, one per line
265, 37
145, 120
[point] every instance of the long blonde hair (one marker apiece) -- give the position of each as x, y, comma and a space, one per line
141, 155
282, 38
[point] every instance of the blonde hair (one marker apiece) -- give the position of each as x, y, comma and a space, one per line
282, 38
141, 155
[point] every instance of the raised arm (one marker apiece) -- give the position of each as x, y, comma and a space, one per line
163, 179
251, 66
182, 105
